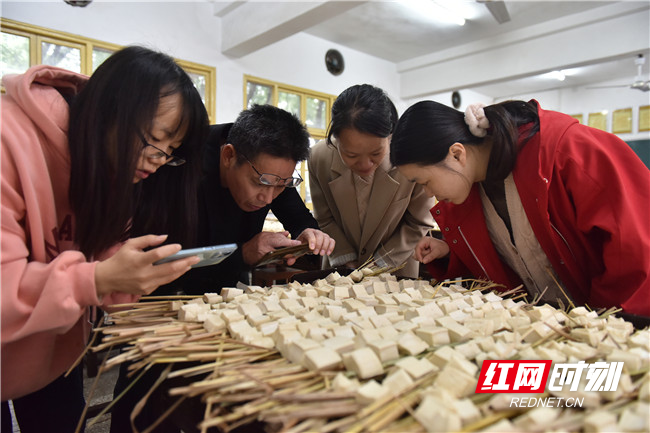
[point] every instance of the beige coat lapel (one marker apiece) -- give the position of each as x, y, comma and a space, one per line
343, 193
383, 191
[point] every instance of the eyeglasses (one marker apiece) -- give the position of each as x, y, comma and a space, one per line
172, 160
275, 180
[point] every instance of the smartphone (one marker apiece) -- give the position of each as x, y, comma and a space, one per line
278, 255
209, 255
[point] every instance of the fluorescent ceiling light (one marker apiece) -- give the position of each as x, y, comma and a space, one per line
435, 10
555, 75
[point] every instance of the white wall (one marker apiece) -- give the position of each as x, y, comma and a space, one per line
570, 101
190, 31
300, 61
585, 101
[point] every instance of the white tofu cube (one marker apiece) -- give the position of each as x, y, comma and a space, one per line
296, 349
457, 332
388, 333
386, 350
214, 323
230, 293
369, 392
340, 292
322, 358
341, 383
344, 331
378, 288
212, 298
358, 291
265, 342
231, 315
363, 362
410, 344
340, 344
249, 309
433, 335
435, 417
365, 336
397, 382
416, 368
241, 329
392, 286
455, 381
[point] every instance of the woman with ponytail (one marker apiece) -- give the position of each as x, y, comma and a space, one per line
529, 196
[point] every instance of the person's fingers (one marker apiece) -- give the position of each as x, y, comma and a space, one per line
156, 254
331, 243
168, 272
428, 257
312, 239
146, 241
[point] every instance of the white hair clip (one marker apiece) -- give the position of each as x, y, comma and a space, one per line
476, 120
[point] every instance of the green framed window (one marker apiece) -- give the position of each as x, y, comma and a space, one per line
25, 45
311, 107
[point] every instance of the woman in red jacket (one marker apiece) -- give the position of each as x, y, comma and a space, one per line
528, 196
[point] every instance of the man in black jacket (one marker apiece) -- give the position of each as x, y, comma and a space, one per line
249, 169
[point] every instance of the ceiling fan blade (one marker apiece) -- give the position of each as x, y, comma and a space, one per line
644, 86
498, 10
607, 87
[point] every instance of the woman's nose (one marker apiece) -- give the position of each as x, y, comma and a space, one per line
366, 163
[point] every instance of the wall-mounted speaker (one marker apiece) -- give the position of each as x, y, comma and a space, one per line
455, 99
334, 62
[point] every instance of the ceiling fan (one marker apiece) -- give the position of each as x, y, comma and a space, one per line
639, 83
498, 10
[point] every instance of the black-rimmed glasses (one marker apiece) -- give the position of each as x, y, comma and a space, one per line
155, 155
275, 180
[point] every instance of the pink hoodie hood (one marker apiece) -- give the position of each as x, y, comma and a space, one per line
37, 92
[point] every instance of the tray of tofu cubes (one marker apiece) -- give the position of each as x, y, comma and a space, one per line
382, 354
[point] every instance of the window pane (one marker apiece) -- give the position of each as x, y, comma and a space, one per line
289, 102
257, 94
199, 83
99, 55
15, 54
59, 55
316, 113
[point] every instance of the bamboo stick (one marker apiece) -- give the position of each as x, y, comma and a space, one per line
241, 382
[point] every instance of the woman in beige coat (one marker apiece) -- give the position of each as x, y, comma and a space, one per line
362, 202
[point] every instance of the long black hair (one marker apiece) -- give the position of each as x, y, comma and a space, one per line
107, 117
363, 107
427, 129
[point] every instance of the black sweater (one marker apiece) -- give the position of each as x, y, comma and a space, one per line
222, 221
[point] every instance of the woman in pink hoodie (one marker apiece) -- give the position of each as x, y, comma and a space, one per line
96, 174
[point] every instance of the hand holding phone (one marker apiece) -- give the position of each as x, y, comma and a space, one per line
209, 255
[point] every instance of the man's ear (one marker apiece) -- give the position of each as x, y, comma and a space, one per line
458, 152
228, 155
